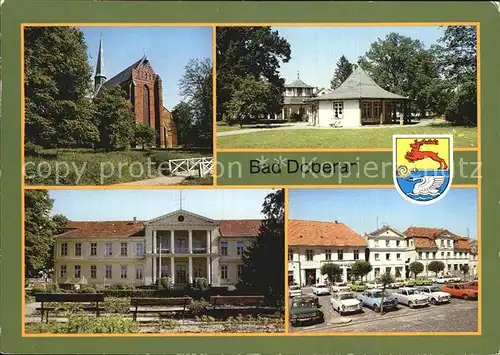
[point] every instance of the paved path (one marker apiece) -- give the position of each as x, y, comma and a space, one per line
158, 181
305, 125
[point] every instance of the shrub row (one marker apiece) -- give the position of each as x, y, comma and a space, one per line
84, 324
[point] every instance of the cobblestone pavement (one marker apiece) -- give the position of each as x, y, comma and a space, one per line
457, 316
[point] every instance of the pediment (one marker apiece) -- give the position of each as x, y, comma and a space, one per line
181, 218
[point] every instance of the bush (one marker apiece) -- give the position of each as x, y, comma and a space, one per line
116, 305
165, 282
122, 286
198, 307
103, 324
88, 289
296, 117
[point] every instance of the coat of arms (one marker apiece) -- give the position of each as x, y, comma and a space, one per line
423, 166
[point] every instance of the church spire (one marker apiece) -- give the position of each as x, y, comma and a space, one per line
100, 77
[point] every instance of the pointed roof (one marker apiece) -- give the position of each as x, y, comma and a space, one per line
100, 61
359, 85
126, 74
298, 83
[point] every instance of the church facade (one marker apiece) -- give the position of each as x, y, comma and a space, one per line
143, 88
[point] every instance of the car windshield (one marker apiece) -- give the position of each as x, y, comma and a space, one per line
434, 289
345, 296
379, 294
304, 302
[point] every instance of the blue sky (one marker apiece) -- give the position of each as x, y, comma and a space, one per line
359, 209
106, 205
316, 50
169, 49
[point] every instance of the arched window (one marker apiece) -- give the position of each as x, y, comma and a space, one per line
146, 105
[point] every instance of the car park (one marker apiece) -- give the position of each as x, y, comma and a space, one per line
320, 289
435, 295
294, 291
410, 297
345, 302
461, 290
304, 309
372, 298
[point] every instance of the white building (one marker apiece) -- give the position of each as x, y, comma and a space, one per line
312, 244
295, 99
386, 252
428, 244
180, 245
357, 101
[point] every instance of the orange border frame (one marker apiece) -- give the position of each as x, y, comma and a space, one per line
285, 187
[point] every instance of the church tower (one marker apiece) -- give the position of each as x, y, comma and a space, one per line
100, 77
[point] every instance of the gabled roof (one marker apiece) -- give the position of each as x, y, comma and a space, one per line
383, 229
315, 233
79, 229
298, 84
126, 74
184, 212
426, 237
239, 227
359, 85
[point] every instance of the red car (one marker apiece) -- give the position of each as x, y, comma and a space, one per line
473, 285
461, 290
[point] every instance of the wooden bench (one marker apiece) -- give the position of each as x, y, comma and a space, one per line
69, 297
174, 301
255, 301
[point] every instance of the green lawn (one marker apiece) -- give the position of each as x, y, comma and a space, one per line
88, 167
224, 127
341, 138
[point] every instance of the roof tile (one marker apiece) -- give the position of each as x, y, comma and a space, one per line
315, 233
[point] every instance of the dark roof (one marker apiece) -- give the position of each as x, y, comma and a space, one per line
298, 84
125, 75
357, 86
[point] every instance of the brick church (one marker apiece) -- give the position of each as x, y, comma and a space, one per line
144, 90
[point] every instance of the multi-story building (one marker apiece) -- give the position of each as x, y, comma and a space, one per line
312, 244
386, 252
473, 256
180, 245
428, 244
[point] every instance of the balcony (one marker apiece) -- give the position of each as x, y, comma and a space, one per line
182, 250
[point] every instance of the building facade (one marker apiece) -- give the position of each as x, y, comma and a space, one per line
428, 244
180, 245
386, 252
143, 88
312, 244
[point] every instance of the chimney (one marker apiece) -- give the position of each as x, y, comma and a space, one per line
135, 220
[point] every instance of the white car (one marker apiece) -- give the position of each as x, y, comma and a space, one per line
434, 294
374, 285
410, 297
395, 284
294, 291
320, 289
344, 302
340, 287
441, 280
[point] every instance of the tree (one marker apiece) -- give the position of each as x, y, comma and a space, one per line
436, 266
39, 231
144, 135
56, 83
464, 269
182, 116
342, 72
248, 100
332, 270
416, 268
263, 260
115, 119
458, 54
385, 279
196, 87
256, 51
361, 268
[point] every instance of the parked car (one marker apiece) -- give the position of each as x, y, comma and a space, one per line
294, 290
358, 287
461, 290
473, 285
442, 280
374, 285
342, 287
320, 289
423, 282
372, 298
345, 302
434, 294
303, 309
410, 297
396, 284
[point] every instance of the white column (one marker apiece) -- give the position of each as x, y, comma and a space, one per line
209, 271
172, 269
190, 270
283, 113
172, 245
344, 274
209, 250
154, 269
159, 260
154, 242
190, 241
